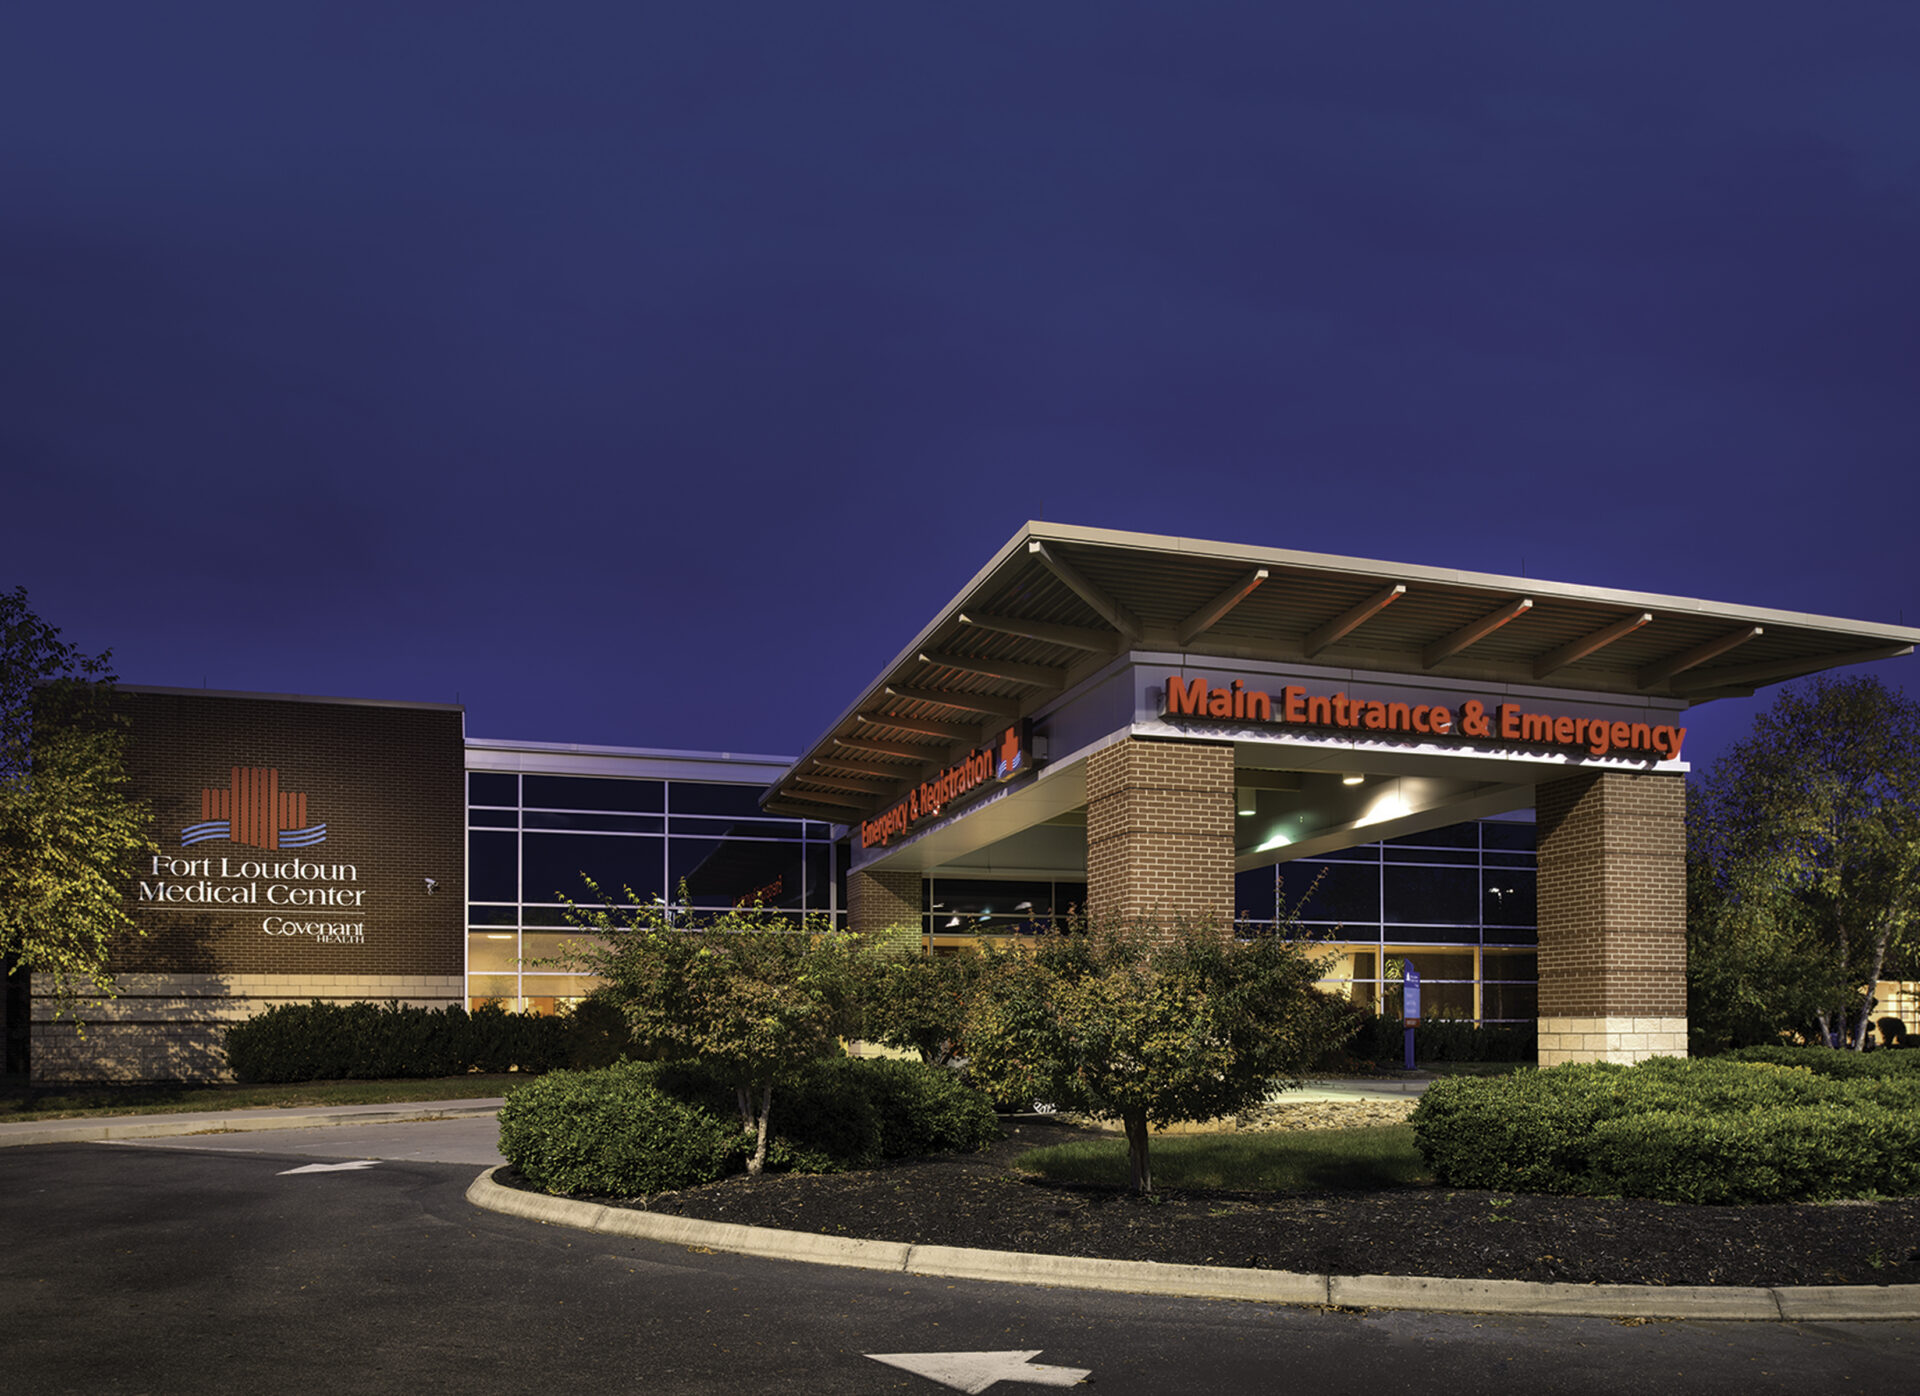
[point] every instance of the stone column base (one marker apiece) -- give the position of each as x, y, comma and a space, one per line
1625, 1040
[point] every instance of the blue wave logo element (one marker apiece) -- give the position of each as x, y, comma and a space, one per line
200, 833
303, 838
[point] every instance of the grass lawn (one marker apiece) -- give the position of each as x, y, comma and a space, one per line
65, 1102
1281, 1161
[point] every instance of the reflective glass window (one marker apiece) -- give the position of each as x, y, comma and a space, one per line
1433, 895
486, 988
1507, 896
493, 873
492, 915
736, 872
736, 828
492, 788
493, 818
493, 950
1509, 935
1511, 834
685, 797
593, 792
556, 863
1464, 856
1452, 836
1509, 1001
605, 823
1331, 891
1510, 964
819, 862
1255, 894
1496, 859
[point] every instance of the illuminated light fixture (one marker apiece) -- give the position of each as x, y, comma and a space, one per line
954, 921
1244, 803
1277, 841
1353, 778
1023, 906
499, 935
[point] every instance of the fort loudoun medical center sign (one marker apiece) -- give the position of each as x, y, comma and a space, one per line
1471, 721
1011, 756
298, 897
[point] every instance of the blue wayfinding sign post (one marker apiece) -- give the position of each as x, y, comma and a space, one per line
1409, 1004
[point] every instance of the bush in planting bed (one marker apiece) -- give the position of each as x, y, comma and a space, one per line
1717, 1130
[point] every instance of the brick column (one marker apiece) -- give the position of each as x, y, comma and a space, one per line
1160, 830
1612, 907
882, 898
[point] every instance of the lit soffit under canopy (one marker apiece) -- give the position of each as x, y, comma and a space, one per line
1058, 603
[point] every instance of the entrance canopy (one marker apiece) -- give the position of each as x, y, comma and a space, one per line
1070, 638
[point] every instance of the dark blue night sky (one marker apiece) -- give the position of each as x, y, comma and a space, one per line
575, 359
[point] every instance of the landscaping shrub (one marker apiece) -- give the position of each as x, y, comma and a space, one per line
614, 1133
321, 1041
840, 1113
1828, 1061
1379, 1038
1720, 1130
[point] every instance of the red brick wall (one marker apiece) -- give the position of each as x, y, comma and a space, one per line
387, 781
1160, 830
883, 898
1612, 895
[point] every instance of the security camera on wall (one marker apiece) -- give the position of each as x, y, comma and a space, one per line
433, 885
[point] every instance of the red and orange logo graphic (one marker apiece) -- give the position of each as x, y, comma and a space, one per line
253, 810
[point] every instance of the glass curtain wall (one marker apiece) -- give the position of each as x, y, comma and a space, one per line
535, 841
1457, 902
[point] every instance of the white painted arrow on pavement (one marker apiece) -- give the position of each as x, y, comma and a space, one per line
976, 1371
331, 1167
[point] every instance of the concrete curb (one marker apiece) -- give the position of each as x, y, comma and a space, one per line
1808, 1303
83, 1130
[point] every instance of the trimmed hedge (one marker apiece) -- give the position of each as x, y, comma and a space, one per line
1379, 1038
1828, 1061
656, 1127
1718, 1130
321, 1041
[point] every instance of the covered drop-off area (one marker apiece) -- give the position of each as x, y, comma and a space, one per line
1151, 722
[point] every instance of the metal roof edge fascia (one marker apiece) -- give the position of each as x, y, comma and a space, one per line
288, 697
1489, 581
1013, 548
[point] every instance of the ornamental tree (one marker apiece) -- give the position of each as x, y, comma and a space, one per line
914, 1000
1805, 840
1151, 1022
71, 834
755, 994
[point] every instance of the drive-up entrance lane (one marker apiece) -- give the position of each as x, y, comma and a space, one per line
184, 1269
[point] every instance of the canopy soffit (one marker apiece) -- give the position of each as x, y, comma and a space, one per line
1057, 603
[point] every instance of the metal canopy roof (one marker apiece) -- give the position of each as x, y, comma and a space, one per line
1057, 603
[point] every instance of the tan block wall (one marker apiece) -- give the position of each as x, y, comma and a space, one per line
1160, 830
1610, 1039
883, 898
1612, 907
169, 1027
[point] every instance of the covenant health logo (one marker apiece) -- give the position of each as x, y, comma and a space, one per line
254, 811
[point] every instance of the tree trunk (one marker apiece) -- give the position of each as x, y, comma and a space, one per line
1873, 982
759, 1159
1137, 1160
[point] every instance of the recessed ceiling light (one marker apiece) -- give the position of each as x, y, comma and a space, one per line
1353, 778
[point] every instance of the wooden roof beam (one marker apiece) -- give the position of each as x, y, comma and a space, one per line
1078, 637
986, 703
1111, 611
1216, 610
853, 766
1445, 648
1661, 670
1589, 644
1756, 675
1349, 621
852, 787
1032, 675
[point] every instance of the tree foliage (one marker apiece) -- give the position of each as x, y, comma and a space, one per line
1154, 1023
1804, 848
915, 1001
751, 993
71, 834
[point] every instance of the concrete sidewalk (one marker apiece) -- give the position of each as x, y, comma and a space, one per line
161, 1126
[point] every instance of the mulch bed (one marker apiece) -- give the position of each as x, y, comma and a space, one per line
978, 1200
